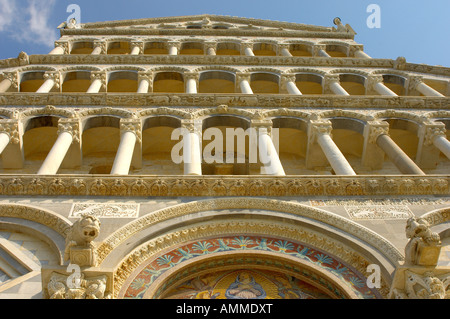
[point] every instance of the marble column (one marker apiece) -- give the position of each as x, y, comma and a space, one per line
243, 81
11, 145
288, 84
247, 49
98, 80
51, 80
416, 83
443, 144
4, 141
56, 155
284, 50
332, 84
60, 48
400, 159
268, 154
191, 80
320, 50
192, 153
99, 48
174, 47
129, 137
375, 84
210, 48
362, 55
145, 82
5, 84
137, 48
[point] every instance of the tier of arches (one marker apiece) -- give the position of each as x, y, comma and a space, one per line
226, 80
229, 46
94, 139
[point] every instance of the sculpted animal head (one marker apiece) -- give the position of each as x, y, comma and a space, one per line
85, 230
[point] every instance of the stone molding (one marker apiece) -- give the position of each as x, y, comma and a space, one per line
232, 100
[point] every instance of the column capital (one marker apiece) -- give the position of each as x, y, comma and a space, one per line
240, 76
431, 131
146, 75
246, 45
191, 125
13, 77
210, 44
355, 47
102, 44
132, 125
319, 127
317, 47
11, 127
414, 81
281, 46
284, 78
99, 75
139, 44
376, 128
71, 126
328, 80
176, 44
64, 45
55, 76
371, 81
261, 125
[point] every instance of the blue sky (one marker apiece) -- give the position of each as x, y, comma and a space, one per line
416, 29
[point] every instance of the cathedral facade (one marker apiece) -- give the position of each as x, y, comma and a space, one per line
217, 157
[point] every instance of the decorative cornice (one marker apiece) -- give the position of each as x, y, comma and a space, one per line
232, 100
258, 185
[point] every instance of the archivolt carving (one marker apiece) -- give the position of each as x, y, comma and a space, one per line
164, 111
390, 71
8, 113
262, 70
107, 111
287, 112
343, 113
398, 114
363, 73
213, 229
223, 109
436, 115
80, 68
124, 68
38, 215
437, 216
339, 222
171, 68
307, 70
216, 68
47, 110
31, 68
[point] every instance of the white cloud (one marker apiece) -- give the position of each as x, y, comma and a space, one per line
28, 21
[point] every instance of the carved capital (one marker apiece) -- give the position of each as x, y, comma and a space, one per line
99, 75
317, 47
71, 126
319, 127
431, 131
376, 129
413, 82
371, 81
210, 45
328, 80
192, 126
139, 44
355, 47
174, 44
64, 45
13, 77
246, 45
11, 127
55, 76
132, 125
101, 44
146, 76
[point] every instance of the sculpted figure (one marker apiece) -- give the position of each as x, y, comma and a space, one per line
418, 231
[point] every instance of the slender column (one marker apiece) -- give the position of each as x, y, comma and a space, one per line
362, 55
99, 48
247, 49
332, 84
4, 141
191, 82
398, 156
56, 155
416, 83
192, 153
60, 48
137, 48
98, 79
244, 83
174, 47
320, 131
319, 50
5, 85
9, 79
373, 156
52, 79
268, 153
130, 135
375, 83
284, 50
210, 48
288, 84
145, 82
443, 144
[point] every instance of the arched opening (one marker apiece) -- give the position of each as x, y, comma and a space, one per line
292, 144
40, 133
168, 82
100, 142
191, 48
155, 48
300, 49
353, 83
226, 146
228, 48
337, 51
31, 81
264, 83
404, 133
123, 81
157, 145
395, 83
82, 47
309, 83
264, 49
119, 47
440, 86
216, 82
76, 81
